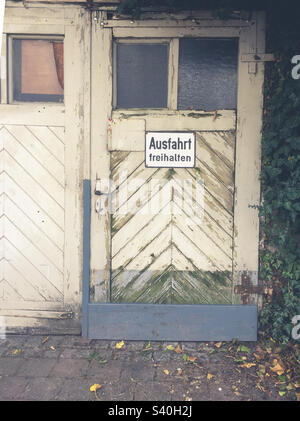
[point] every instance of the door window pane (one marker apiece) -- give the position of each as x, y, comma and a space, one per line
207, 78
142, 75
38, 70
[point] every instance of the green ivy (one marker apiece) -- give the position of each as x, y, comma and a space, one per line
280, 175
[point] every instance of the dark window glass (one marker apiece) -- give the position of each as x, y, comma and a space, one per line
38, 70
207, 78
142, 75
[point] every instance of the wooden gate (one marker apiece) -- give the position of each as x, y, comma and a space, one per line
171, 273
40, 176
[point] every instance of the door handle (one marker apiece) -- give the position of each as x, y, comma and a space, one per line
98, 192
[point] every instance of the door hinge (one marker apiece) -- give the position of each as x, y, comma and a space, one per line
247, 287
253, 59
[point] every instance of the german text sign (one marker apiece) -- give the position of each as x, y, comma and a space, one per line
170, 149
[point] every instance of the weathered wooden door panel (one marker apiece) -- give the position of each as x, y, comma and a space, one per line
166, 245
41, 164
167, 254
33, 215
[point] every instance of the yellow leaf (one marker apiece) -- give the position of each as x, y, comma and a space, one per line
166, 372
218, 344
16, 351
278, 369
248, 365
95, 387
187, 398
52, 348
178, 350
45, 340
120, 344
170, 348
209, 376
257, 356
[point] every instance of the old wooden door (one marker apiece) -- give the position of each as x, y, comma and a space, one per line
166, 237
41, 136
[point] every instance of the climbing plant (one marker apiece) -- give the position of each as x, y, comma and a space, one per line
280, 174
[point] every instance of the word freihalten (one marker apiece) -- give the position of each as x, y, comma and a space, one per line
170, 144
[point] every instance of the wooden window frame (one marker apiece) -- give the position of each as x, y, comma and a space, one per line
28, 98
173, 71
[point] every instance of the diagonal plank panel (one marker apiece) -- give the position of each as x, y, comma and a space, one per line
32, 200
169, 244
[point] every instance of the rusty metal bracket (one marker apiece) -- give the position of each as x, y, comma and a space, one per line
247, 287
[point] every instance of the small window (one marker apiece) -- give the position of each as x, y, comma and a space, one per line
207, 74
141, 75
37, 70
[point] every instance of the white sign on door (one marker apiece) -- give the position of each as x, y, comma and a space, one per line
170, 149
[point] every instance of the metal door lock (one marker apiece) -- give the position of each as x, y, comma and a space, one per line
99, 192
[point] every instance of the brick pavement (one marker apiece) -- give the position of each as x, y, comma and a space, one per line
62, 368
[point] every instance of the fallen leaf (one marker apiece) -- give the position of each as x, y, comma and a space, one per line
248, 365
52, 348
179, 371
243, 348
45, 340
170, 348
192, 359
166, 372
178, 350
281, 393
95, 387
218, 344
277, 368
187, 398
16, 351
148, 345
258, 356
120, 344
209, 376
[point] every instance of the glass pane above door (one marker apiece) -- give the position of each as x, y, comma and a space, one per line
207, 75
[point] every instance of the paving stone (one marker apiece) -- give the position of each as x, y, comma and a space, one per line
77, 389
190, 346
52, 352
135, 345
100, 344
110, 371
161, 356
117, 392
33, 352
139, 371
75, 353
42, 389
10, 365
153, 391
16, 341
36, 367
12, 388
68, 367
